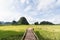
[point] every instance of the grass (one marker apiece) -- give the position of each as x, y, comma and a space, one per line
10, 35
44, 32
11, 32
48, 32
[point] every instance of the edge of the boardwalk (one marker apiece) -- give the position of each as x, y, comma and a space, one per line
33, 33
24, 35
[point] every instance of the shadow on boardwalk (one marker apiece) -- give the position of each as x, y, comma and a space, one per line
40, 36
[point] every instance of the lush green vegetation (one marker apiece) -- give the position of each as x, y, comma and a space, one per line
11, 32
44, 32
48, 32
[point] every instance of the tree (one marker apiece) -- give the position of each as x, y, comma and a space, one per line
23, 21
14, 22
46, 23
0, 23
36, 23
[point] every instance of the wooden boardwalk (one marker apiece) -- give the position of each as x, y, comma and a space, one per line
30, 35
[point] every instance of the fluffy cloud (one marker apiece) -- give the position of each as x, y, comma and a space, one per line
45, 4
5, 13
33, 10
22, 1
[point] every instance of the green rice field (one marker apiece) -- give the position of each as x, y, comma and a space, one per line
44, 32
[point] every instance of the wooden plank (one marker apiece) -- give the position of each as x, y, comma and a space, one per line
30, 35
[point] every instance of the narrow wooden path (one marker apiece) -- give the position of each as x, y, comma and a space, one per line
30, 35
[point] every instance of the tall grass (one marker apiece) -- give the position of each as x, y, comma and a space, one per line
48, 32
10, 35
12, 32
44, 32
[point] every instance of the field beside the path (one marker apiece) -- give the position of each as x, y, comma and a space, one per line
44, 32
48, 32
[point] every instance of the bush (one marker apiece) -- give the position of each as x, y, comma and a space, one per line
14, 22
36, 23
46, 23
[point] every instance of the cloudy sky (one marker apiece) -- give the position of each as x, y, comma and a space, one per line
33, 10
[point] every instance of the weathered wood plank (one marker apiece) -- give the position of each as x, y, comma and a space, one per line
30, 35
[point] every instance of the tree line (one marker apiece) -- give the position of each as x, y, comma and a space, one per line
23, 21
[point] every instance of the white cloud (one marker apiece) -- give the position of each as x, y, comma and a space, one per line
45, 4
33, 10
9, 16
27, 8
22, 1
5, 13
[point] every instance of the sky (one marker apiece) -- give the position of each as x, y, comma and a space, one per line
33, 10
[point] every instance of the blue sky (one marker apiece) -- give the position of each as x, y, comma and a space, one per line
33, 10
